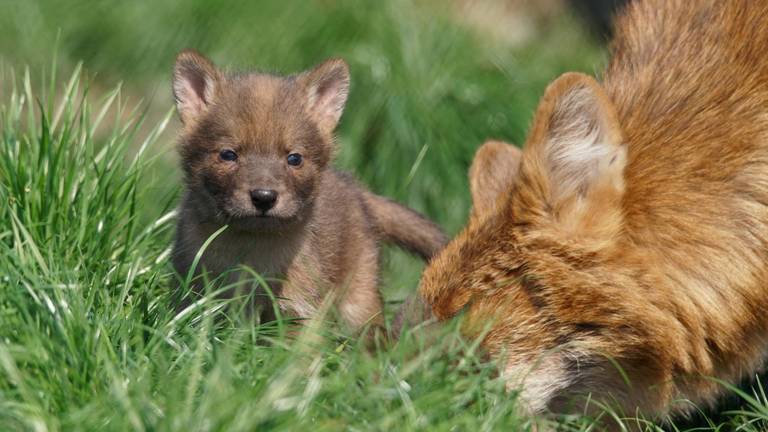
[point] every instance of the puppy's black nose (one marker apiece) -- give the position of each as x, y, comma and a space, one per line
264, 199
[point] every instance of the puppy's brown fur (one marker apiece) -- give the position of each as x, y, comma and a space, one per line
320, 235
635, 232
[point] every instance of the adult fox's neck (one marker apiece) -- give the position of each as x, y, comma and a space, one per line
689, 80
677, 62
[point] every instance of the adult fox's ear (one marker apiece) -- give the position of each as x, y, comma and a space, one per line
575, 159
576, 138
492, 174
327, 87
195, 82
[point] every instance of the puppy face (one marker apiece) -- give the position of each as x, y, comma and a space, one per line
254, 146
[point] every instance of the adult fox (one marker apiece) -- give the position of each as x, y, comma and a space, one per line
623, 254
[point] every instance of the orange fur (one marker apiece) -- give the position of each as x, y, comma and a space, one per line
493, 169
635, 230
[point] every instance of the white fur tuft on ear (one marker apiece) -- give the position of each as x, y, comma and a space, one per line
194, 84
581, 140
327, 87
575, 156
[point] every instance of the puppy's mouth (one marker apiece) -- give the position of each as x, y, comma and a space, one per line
258, 220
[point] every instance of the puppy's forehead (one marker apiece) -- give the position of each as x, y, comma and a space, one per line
262, 110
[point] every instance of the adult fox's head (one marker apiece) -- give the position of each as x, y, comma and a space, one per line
565, 187
543, 221
253, 145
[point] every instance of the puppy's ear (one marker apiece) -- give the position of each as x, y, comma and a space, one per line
492, 174
195, 82
327, 87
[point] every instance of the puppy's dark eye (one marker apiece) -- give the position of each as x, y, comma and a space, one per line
228, 155
294, 159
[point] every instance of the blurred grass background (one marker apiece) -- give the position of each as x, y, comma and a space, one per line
431, 79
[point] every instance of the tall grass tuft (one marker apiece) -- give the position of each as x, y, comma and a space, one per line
72, 249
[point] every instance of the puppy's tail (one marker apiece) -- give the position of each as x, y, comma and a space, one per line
404, 227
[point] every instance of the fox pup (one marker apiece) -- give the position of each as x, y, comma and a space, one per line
256, 152
632, 229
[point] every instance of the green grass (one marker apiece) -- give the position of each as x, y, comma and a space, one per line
89, 338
